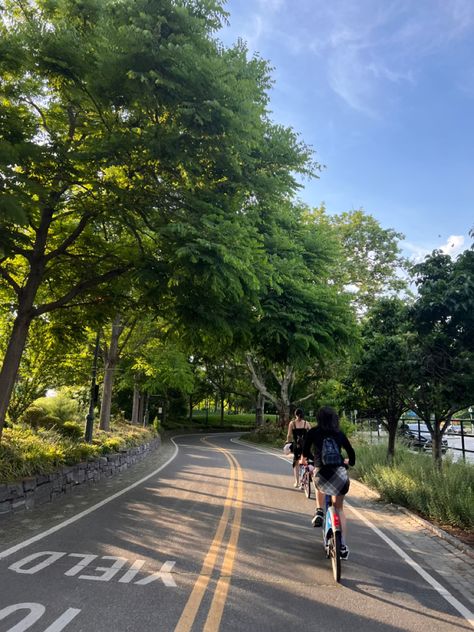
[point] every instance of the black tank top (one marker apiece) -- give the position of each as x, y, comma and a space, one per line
298, 436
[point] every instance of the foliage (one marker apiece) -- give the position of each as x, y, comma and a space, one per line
72, 430
372, 256
380, 372
441, 365
443, 495
61, 405
135, 144
25, 452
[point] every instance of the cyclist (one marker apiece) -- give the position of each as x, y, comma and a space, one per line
297, 429
331, 478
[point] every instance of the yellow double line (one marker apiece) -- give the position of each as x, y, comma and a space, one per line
216, 609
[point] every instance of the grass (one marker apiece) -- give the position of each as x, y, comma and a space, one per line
26, 452
443, 496
244, 421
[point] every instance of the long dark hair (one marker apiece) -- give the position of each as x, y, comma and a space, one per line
328, 419
299, 413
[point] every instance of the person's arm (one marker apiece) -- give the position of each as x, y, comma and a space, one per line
289, 436
346, 444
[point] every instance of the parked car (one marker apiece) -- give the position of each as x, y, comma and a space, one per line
418, 436
454, 429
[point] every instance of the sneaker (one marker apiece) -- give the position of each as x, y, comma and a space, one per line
317, 520
344, 552
296, 485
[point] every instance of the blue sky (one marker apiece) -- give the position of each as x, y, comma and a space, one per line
383, 90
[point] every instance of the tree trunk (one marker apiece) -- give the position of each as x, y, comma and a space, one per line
111, 361
191, 409
222, 398
259, 409
436, 445
392, 435
11, 363
283, 413
141, 407
136, 404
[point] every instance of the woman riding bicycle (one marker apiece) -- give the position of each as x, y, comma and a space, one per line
297, 430
325, 442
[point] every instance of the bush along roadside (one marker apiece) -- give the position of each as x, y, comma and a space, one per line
442, 496
38, 465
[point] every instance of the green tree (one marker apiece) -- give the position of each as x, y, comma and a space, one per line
381, 369
131, 135
372, 264
305, 317
441, 367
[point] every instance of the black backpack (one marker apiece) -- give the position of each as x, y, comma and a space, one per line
330, 453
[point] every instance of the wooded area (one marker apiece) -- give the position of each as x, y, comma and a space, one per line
147, 196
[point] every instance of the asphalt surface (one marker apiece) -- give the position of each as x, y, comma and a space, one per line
212, 536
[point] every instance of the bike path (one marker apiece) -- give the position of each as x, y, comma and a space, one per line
215, 540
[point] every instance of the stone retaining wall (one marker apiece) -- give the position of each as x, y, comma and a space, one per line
38, 490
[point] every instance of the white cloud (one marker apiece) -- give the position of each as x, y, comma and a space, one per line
369, 46
453, 246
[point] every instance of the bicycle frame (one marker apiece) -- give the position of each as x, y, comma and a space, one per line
332, 535
306, 479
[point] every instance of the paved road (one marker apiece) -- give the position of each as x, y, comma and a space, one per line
215, 538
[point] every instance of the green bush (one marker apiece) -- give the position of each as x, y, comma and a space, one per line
72, 430
33, 416
270, 433
27, 452
444, 496
62, 406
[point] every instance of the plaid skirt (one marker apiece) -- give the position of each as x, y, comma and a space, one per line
332, 481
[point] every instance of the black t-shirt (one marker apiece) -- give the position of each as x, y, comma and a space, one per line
313, 444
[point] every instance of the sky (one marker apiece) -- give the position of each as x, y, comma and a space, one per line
383, 91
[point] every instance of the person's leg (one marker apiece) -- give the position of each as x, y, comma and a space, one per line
296, 473
320, 499
338, 502
296, 468
317, 520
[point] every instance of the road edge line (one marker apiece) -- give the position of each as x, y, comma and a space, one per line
75, 518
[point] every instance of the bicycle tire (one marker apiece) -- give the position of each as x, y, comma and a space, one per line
336, 555
307, 486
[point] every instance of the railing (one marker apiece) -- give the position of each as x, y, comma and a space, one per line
377, 433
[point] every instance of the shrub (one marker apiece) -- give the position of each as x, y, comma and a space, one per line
72, 430
33, 416
27, 452
414, 482
61, 406
271, 433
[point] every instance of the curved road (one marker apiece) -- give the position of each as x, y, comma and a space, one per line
215, 539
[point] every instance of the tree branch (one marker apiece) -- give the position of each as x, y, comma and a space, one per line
71, 238
80, 287
258, 382
11, 281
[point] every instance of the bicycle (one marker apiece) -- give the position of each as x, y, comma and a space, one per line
306, 479
332, 537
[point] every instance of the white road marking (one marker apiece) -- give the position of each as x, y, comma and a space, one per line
457, 605
50, 558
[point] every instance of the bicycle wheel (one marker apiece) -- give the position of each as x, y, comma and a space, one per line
336, 555
307, 485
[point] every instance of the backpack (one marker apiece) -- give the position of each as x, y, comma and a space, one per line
330, 453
